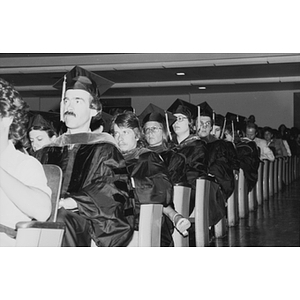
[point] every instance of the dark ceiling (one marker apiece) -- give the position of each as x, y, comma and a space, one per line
155, 73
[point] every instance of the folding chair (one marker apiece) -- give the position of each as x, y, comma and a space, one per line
280, 173
200, 215
149, 232
232, 204
259, 184
243, 196
266, 180
275, 176
181, 200
44, 234
271, 178
252, 200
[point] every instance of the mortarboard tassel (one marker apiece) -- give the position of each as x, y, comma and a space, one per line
223, 130
62, 98
198, 118
214, 116
232, 125
133, 110
167, 124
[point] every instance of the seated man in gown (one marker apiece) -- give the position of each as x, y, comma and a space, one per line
222, 155
220, 164
96, 196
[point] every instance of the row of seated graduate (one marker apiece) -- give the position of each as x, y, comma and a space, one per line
107, 176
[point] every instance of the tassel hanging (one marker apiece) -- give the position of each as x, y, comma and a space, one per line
198, 118
62, 99
223, 130
167, 124
232, 125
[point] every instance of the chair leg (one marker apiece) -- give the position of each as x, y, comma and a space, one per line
220, 228
259, 185
266, 180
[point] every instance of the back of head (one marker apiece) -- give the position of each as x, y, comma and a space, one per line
251, 119
251, 125
12, 105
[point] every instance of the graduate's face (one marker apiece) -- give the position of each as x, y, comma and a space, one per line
216, 131
39, 139
181, 125
77, 111
268, 136
125, 138
153, 133
205, 126
228, 136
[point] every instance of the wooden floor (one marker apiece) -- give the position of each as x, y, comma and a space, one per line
276, 223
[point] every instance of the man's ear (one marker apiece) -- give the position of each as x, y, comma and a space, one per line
93, 112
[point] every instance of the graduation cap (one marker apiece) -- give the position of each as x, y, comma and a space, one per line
237, 120
157, 114
81, 79
219, 120
206, 110
183, 107
37, 120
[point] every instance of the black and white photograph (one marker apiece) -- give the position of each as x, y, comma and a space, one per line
149, 161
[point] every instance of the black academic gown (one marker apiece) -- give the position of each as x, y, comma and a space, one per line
196, 154
95, 176
197, 158
151, 185
222, 162
176, 163
249, 157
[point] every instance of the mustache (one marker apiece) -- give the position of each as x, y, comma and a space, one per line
69, 113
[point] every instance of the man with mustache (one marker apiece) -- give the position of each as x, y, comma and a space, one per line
96, 201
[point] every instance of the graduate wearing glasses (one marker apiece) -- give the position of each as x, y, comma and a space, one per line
96, 200
189, 144
154, 121
147, 169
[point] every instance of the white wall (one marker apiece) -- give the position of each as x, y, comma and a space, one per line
269, 108
43, 104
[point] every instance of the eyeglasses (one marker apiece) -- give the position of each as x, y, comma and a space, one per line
181, 118
153, 129
206, 124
